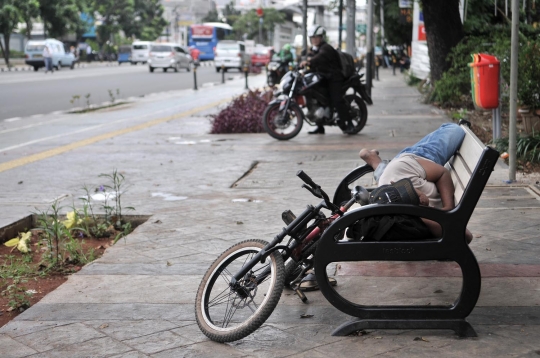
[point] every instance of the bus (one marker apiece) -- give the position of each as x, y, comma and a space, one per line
206, 36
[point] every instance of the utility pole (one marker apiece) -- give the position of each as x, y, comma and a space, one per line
382, 21
340, 23
369, 47
304, 26
351, 27
514, 48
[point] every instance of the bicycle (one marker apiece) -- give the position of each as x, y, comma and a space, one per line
243, 285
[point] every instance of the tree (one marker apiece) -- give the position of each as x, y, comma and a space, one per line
111, 12
396, 32
145, 22
212, 16
9, 18
231, 14
249, 23
62, 16
29, 10
444, 31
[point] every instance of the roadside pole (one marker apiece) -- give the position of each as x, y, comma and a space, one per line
304, 27
246, 70
340, 41
222, 74
369, 47
513, 91
195, 78
351, 27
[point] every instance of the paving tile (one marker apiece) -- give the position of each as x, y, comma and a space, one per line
17, 328
118, 311
95, 348
205, 349
125, 289
123, 330
157, 342
59, 337
10, 348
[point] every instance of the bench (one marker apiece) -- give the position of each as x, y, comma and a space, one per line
470, 168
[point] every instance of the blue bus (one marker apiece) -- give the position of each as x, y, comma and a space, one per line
206, 36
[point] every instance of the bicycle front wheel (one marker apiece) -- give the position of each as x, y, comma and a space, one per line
225, 313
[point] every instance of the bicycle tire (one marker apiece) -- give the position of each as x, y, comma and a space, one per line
207, 321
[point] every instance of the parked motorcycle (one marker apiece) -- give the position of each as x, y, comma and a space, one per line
276, 70
283, 118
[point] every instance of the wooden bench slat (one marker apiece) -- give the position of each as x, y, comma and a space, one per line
471, 149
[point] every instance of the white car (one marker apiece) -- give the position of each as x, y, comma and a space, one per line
140, 51
33, 53
168, 55
230, 54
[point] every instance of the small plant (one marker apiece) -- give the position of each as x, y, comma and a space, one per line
88, 95
242, 115
17, 295
54, 231
75, 99
111, 95
459, 114
527, 148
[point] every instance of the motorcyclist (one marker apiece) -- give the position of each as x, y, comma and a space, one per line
324, 59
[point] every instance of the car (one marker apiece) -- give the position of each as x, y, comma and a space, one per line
140, 52
261, 56
230, 54
33, 54
168, 55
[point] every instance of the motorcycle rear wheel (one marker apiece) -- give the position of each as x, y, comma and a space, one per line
225, 314
283, 127
358, 112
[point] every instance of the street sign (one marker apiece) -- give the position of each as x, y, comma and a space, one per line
405, 4
361, 28
260, 12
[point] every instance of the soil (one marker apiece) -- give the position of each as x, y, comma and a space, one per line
42, 285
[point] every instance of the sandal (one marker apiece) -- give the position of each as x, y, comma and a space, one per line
309, 283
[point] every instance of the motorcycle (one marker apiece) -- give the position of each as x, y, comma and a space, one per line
242, 287
283, 118
276, 70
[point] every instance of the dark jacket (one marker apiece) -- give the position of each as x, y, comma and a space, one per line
325, 61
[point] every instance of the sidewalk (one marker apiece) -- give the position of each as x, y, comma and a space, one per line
138, 299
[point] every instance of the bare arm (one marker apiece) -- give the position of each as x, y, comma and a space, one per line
439, 175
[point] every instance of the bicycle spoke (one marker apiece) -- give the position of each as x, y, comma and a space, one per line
219, 299
230, 315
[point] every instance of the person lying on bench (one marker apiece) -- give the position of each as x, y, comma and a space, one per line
423, 163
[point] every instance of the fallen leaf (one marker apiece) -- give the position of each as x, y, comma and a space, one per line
420, 339
104, 325
12, 242
168, 263
239, 223
157, 222
378, 337
488, 249
438, 291
306, 316
478, 236
20, 182
100, 247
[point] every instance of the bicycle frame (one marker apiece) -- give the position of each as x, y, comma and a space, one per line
307, 238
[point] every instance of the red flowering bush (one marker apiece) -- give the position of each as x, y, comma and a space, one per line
242, 115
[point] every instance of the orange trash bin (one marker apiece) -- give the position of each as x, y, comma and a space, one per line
485, 70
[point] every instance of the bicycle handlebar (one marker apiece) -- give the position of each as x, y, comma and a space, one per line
302, 175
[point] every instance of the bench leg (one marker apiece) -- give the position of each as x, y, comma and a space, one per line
461, 327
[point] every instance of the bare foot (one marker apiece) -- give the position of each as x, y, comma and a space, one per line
371, 157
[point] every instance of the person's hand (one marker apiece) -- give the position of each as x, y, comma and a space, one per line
303, 64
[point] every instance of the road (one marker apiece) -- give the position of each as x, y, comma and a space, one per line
24, 94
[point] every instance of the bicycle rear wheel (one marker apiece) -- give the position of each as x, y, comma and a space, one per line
226, 314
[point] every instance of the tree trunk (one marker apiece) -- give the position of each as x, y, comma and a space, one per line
5, 49
29, 26
444, 30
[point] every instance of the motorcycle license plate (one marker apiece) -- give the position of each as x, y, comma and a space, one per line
282, 105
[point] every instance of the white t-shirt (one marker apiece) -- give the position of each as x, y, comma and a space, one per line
406, 166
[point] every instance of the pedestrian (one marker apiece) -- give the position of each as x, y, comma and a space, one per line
423, 163
47, 58
88, 53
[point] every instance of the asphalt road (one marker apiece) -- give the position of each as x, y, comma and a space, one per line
25, 94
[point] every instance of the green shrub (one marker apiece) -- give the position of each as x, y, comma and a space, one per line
527, 148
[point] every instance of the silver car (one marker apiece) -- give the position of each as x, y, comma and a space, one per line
168, 55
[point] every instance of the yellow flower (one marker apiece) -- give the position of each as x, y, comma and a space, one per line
22, 246
12, 242
70, 220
